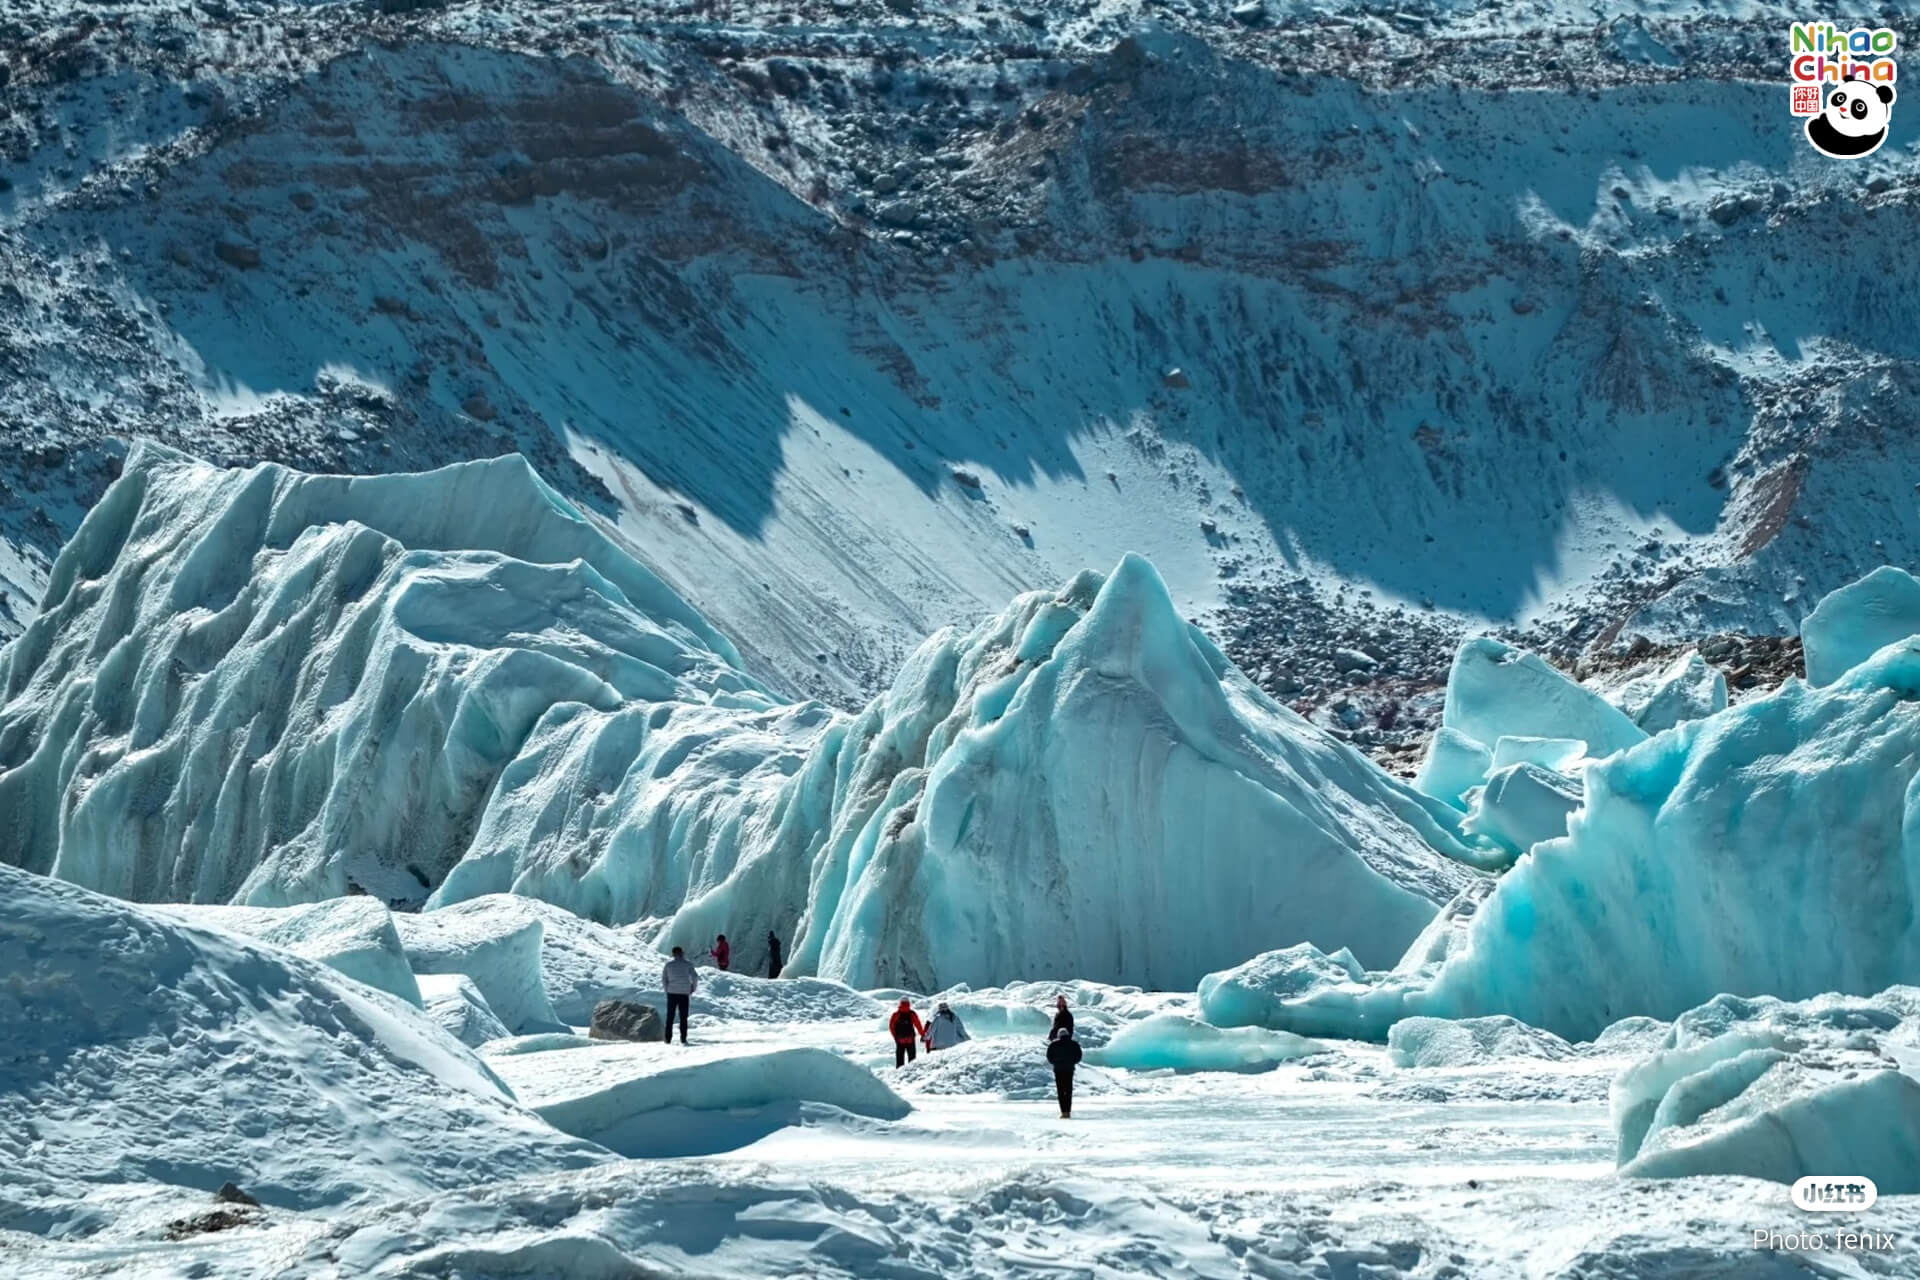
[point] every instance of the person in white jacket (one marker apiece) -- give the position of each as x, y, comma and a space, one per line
944, 1028
679, 981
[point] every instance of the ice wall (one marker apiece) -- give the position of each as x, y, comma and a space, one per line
266, 688
1080, 785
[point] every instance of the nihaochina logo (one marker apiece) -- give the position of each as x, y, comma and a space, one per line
1843, 82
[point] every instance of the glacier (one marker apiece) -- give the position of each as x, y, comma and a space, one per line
265, 688
262, 687
1770, 849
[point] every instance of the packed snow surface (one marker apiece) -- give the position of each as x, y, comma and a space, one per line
141, 1050
354, 935
262, 687
1767, 1089
674, 1099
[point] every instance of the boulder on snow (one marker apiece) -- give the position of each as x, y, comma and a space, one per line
1353, 660
237, 253
1852, 624
624, 1020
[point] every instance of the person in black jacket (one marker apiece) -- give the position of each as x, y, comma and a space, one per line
1062, 1017
773, 955
1063, 1053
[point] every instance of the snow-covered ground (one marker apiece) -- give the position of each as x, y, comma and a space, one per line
1343, 1166
376, 1146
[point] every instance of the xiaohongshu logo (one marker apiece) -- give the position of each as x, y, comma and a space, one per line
1843, 81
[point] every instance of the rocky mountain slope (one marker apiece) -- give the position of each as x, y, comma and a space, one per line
1367, 324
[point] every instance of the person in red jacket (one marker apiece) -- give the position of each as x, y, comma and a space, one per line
906, 1027
721, 953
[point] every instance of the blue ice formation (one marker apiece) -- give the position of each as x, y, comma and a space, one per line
1688, 688
1852, 624
1773, 848
1496, 691
266, 688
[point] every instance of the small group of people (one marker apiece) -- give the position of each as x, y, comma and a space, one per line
679, 979
944, 1030
721, 953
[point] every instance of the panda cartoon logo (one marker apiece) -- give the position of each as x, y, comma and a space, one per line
1854, 121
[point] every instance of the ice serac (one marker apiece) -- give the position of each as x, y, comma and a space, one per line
1521, 805
1767, 1089
1079, 786
1852, 624
143, 1050
1688, 688
1495, 691
455, 1005
263, 687
495, 943
1085, 786
1773, 848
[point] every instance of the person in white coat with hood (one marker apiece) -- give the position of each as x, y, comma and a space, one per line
944, 1028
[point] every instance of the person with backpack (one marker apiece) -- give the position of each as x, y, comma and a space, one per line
773, 954
679, 981
721, 953
906, 1027
1063, 1055
944, 1029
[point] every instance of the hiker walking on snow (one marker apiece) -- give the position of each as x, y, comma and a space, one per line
679, 981
773, 954
1062, 1017
1063, 1054
906, 1027
944, 1029
721, 953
